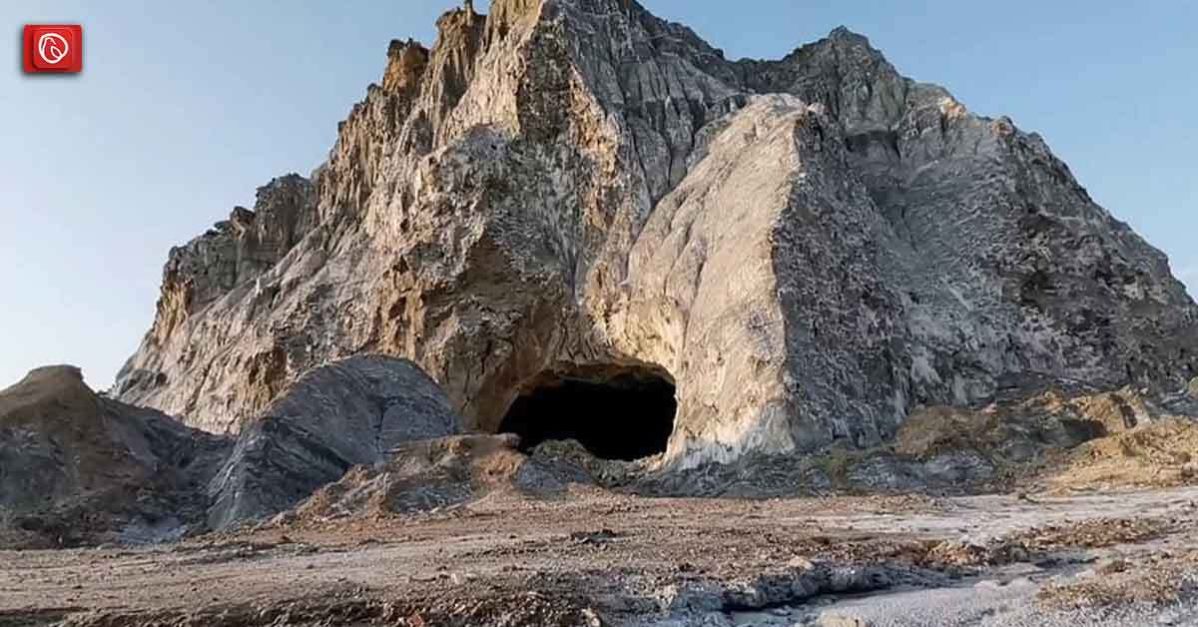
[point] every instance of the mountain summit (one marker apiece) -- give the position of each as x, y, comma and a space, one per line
570, 193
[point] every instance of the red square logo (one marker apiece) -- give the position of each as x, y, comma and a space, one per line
53, 48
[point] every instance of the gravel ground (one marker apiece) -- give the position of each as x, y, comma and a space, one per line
592, 557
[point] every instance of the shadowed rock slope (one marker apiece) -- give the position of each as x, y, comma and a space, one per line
76, 467
810, 248
334, 418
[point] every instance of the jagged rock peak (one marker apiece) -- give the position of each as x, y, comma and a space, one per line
405, 65
235, 251
843, 33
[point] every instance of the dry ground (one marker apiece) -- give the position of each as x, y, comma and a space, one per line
593, 557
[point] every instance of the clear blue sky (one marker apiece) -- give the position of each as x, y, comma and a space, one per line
183, 109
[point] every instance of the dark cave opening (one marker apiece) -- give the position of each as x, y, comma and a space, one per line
624, 415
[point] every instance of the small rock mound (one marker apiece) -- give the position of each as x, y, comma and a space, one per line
420, 476
77, 468
1024, 430
1083, 441
1162, 454
434, 474
1060, 439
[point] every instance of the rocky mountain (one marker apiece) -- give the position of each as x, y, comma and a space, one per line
807, 249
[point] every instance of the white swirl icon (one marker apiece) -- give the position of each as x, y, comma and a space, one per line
52, 47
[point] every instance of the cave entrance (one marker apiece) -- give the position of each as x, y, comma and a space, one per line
616, 413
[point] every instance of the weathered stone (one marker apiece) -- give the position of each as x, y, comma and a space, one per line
80, 468
335, 417
77, 467
811, 248
234, 252
428, 475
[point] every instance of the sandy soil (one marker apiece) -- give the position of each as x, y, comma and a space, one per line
598, 558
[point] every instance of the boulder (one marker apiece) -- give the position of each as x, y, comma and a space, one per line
349, 413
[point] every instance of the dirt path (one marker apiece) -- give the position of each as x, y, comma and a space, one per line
601, 558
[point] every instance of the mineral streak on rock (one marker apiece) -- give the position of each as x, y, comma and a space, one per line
811, 248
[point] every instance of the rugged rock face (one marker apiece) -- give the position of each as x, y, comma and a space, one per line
346, 414
76, 467
231, 255
809, 249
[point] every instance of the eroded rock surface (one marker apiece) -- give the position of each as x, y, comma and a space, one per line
76, 467
350, 413
234, 252
811, 248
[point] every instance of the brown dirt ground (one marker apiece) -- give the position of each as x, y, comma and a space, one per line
588, 557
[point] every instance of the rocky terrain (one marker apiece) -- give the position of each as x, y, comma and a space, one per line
347, 414
600, 558
582, 323
80, 468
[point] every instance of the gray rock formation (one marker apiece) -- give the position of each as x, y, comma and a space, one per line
350, 413
808, 248
77, 467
